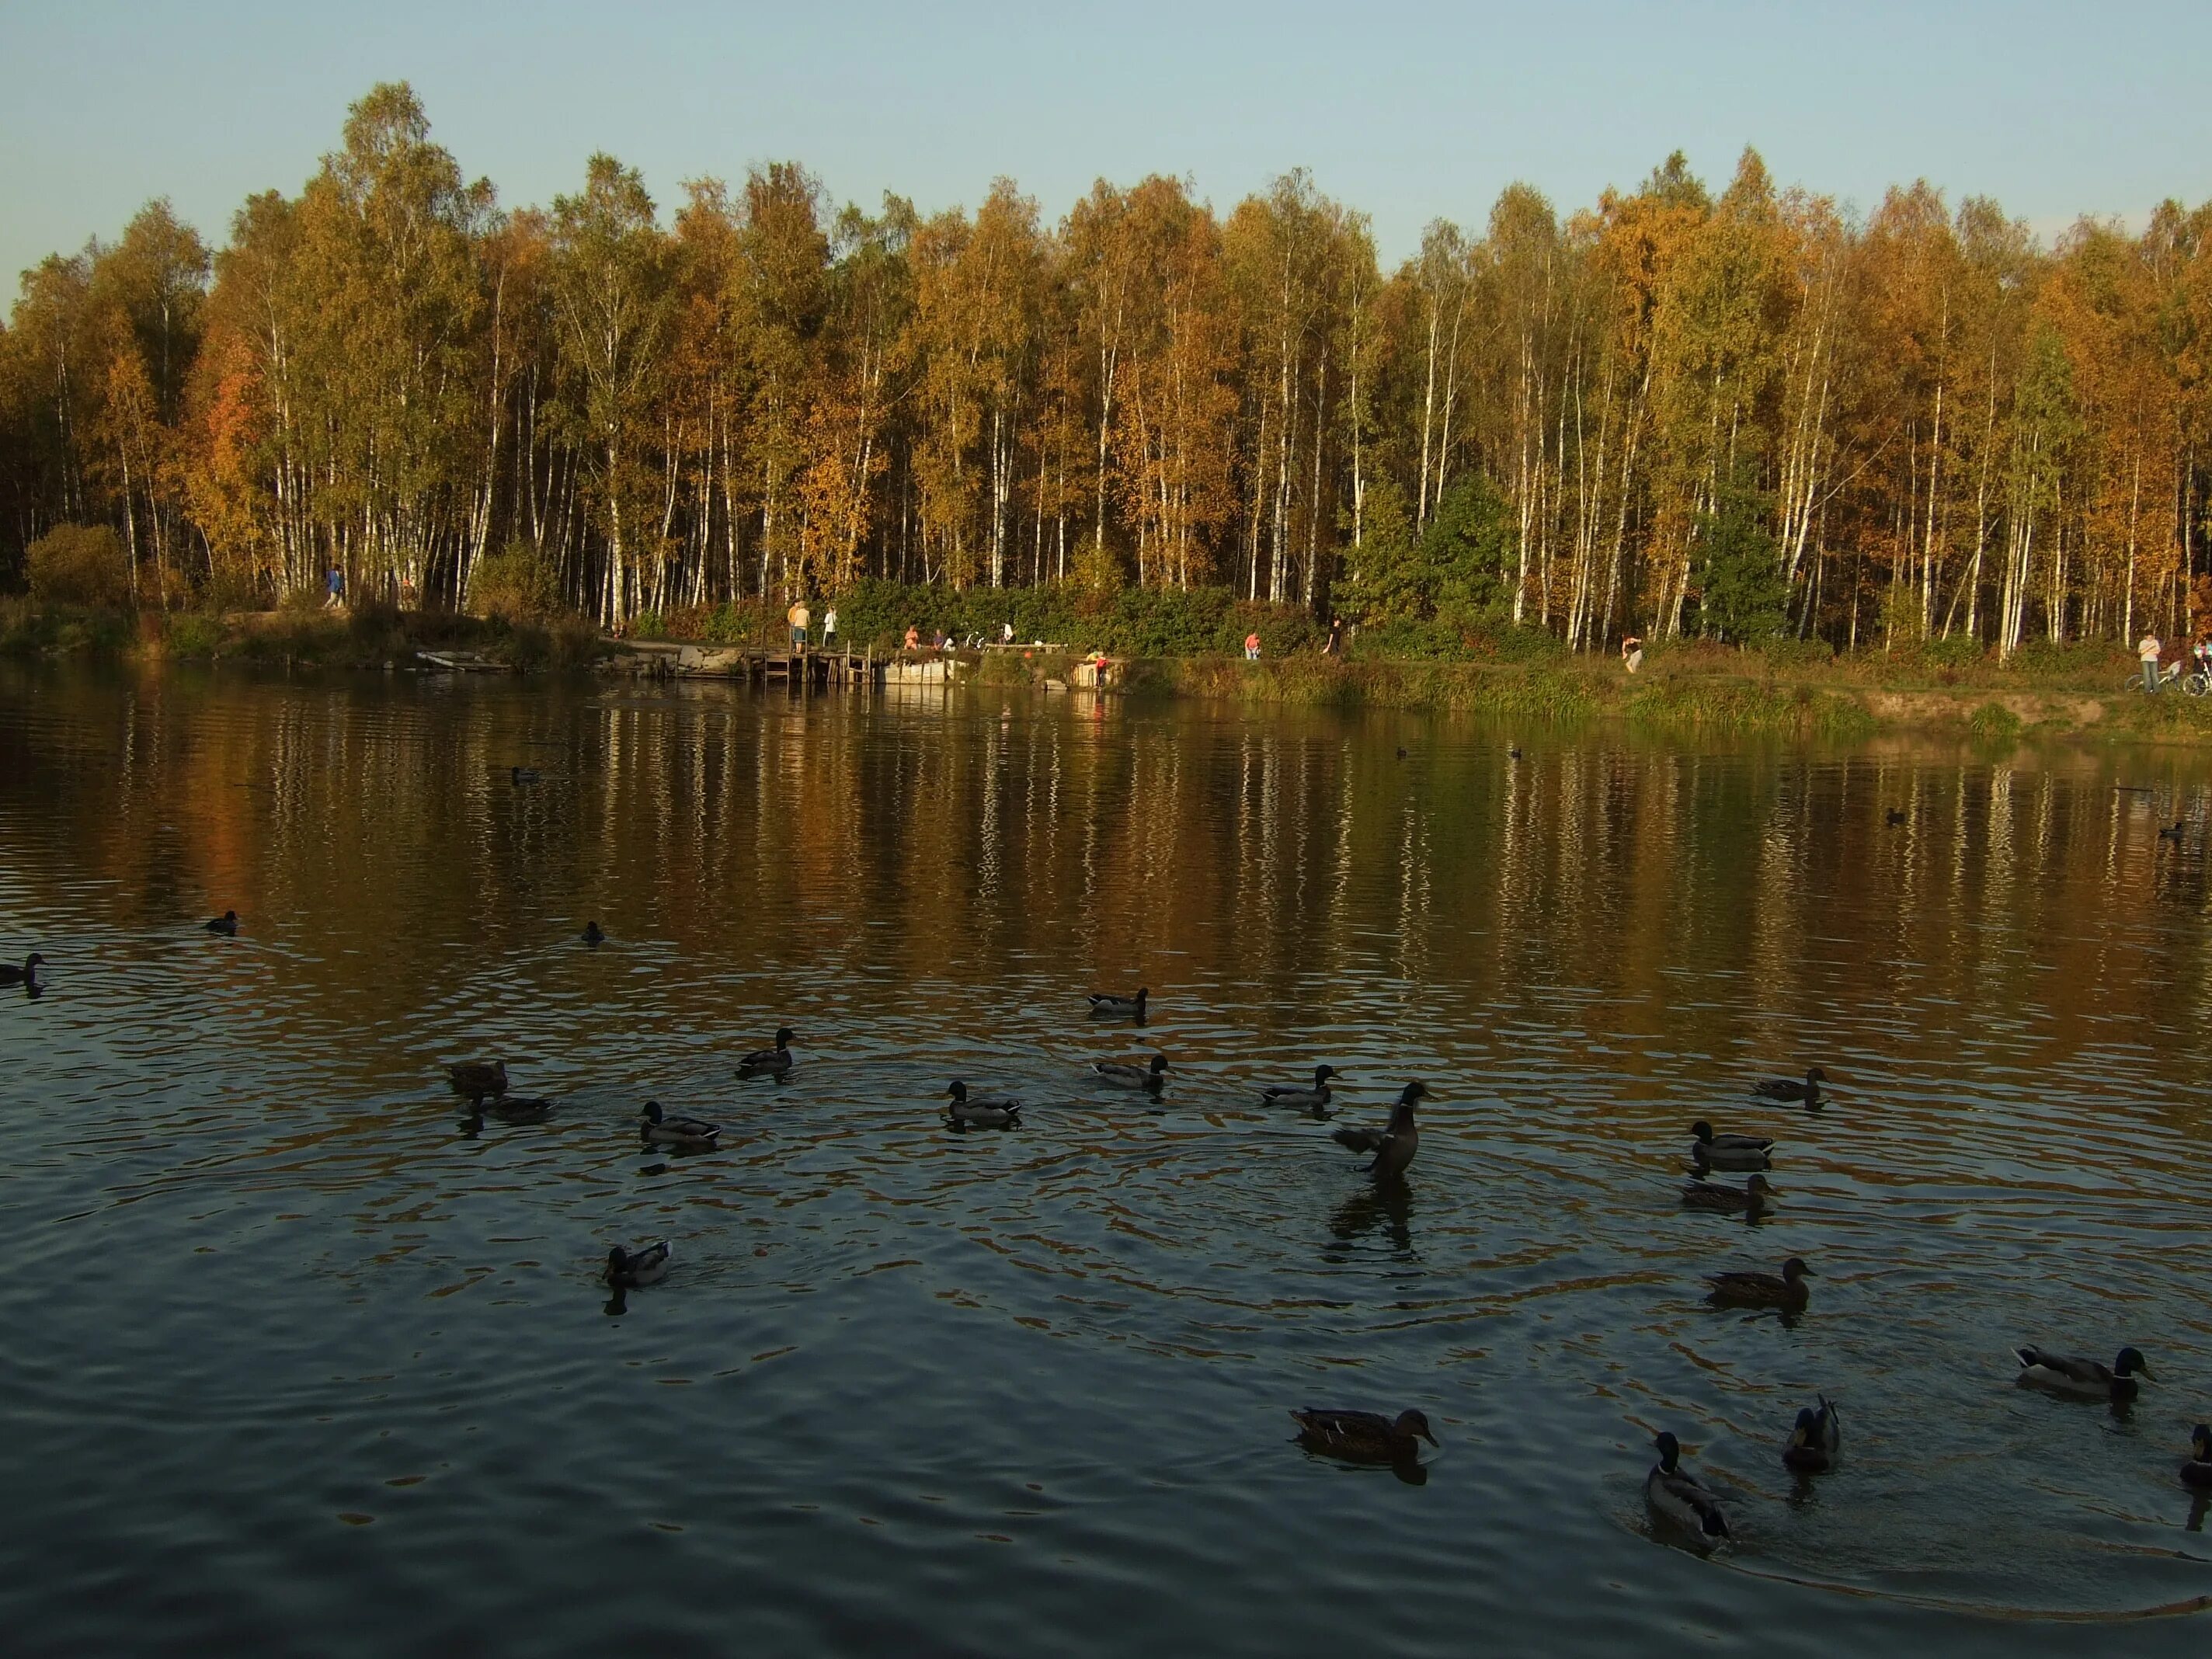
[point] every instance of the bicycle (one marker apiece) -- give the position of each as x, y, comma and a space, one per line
2169, 678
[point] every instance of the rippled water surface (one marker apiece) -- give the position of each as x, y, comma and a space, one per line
296, 1361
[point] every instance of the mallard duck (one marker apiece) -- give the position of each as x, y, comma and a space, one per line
2083, 1379
768, 1062
520, 775
593, 934
1364, 1437
1728, 1200
516, 1109
225, 924
1103, 1005
1790, 1088
1711, 1151
646, 1265
1292, 1095
1676, 1497
1785, 1289
980, 1111
1128, 1074
658, 1128
1894, 815
2172, 832
472, 1080
2197, 1471
1816, 1441
27, 975
1395, 1144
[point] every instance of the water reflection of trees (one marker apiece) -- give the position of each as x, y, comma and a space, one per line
1279, 854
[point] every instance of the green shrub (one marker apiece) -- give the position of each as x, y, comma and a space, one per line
1994, 724
79, 564
518, 583
1404, 638
1787, 654
193, 636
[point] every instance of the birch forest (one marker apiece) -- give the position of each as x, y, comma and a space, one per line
1735, 412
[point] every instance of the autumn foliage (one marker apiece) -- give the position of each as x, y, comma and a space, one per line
1740, 414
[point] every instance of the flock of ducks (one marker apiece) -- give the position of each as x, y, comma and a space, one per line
1674, 1496
1815, 1440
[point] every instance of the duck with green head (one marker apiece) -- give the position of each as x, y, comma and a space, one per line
1815, 1440
2078, 1378
771, 1062
1677, 1497
1709, 1150
659, 1128
1130, 1073
1393, 1145
972, 1111
1312, 1098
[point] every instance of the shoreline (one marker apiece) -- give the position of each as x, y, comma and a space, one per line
1689, 687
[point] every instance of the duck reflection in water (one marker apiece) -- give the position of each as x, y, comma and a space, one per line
1387, 1205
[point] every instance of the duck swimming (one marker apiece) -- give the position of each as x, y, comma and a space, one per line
2197, 1471
1752, 1200
980, 1111
225, 924
1678, 1498
2083, 1379
594, 935
768, 1062
520, 775
1293, 1095
1709, 1151
1364, 1437
472, 1080
1790, 1088
646, 1265
1106, 1006
1128, 1074
1816, 1441
1395, 1144
1785, 1289
27, 975
658, 1128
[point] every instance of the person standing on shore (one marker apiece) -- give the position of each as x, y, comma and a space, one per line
336, 582
1335, 646
1631, 652
799, 618
1252, 646
829, 629
2146, 649
913, 637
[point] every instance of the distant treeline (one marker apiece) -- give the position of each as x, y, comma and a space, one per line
1737, 416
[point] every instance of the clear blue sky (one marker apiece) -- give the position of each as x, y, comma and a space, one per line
1407, 111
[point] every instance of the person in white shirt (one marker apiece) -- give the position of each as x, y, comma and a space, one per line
829, 629
2147, 649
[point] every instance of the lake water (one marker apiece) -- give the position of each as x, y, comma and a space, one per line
296, 1362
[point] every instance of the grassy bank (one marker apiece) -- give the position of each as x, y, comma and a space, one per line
367, 637
1713, 691
1789, 689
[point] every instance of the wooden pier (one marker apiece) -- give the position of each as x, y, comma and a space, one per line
758, 665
